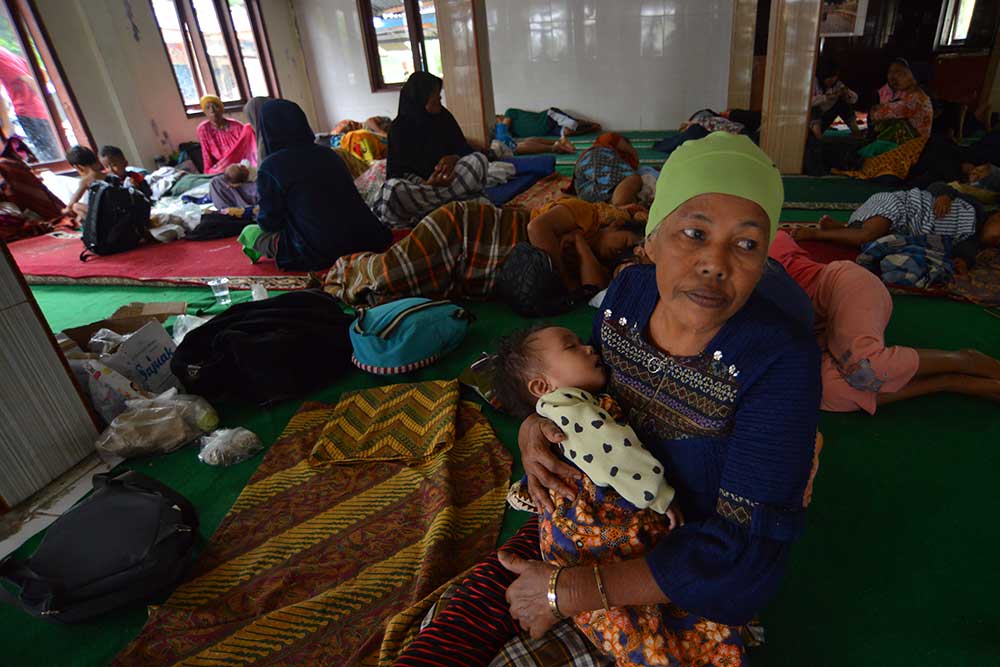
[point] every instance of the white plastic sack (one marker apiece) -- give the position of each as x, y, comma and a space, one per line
229, 446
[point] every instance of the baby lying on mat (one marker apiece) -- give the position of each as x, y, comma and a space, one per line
623, 504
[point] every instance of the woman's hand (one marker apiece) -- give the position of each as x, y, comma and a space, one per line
528, 595
544, 469
444, 172
942, 204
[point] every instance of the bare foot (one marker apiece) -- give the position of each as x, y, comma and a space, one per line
564, 145
800, 233
826, 222
981, 364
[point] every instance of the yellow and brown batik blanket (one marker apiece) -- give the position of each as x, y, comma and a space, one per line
313, 560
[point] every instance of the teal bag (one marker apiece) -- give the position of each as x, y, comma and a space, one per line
406, 335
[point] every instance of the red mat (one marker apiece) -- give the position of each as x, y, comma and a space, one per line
55, 260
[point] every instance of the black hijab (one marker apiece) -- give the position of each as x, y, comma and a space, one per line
418, 139
283, 124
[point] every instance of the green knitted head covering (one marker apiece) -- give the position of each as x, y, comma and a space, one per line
720, 163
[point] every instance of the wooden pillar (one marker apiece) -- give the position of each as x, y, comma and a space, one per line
792, 49
741, 53
465, 58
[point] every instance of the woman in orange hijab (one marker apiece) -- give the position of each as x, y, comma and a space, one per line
607, 171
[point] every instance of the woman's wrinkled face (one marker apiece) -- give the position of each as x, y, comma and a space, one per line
434, 102
709, 255
214, 111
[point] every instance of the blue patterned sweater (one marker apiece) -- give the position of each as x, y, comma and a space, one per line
735, 428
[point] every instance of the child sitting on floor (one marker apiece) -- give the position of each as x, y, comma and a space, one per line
87, 165
113, 160
623, 505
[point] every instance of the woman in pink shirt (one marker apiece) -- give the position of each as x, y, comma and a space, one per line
224, 141
901, 100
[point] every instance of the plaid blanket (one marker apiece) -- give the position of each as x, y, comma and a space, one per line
910, 261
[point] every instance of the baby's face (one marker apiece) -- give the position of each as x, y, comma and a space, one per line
566, 361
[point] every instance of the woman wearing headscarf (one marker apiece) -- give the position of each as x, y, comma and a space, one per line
236, 186
711, 355
607, 171
224, 141
310, 212
429, 163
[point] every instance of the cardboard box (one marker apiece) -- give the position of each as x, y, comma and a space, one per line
127, 319
145, 358
161, 310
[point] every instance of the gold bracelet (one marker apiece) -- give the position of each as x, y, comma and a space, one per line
553, 602
600, 586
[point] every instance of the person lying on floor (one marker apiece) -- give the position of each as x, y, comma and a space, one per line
906, 212
224, 141
459, 249
623, 505
309, 211
723, 386
543, 123
504, 144
88, 166
236, 187
831, 99
113, 160
429, 161
852, 308
607, 172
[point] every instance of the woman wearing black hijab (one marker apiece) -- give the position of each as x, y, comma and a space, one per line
310, 212
430, 163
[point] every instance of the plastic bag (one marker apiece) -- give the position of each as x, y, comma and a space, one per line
185, 324
157, 425
229, 446
109, 390
142, 431
105, 341
195, 410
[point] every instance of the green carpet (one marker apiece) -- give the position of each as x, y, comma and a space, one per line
891, 529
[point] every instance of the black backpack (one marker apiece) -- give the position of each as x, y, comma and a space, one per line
117, 219
266, 351
129, 542
530, 284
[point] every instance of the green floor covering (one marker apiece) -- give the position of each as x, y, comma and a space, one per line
893, 569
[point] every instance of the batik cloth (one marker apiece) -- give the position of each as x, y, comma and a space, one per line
455, 252
311, 562
910, 261
402, 202
598, 172
911, 213
896, 162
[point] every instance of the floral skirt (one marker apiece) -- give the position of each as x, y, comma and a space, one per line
599, 526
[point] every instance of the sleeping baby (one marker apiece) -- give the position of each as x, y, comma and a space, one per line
623, 504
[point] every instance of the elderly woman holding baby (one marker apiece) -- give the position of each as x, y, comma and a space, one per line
710, 354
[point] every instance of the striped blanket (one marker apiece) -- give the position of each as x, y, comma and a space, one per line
312, 562
456, 251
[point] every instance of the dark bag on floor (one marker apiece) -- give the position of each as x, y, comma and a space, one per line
266, 351
129, 542
530, 284
117, 219
217, 226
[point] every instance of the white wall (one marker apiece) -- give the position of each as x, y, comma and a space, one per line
114, 61
628, 64
335, 58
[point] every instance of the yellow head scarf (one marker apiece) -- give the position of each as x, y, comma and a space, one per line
720, 163
210, 99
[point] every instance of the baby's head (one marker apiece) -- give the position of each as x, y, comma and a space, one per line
532, 362
236, 174
83, 160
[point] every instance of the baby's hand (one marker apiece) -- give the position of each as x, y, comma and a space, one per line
675, 517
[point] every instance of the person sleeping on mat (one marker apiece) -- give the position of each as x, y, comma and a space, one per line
623, 505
